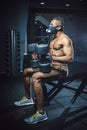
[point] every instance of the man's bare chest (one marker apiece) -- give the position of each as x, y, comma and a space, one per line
56, 44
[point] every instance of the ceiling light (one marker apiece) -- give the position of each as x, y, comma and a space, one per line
42, 3
67, 4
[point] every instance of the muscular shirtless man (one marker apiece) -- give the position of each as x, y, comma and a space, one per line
61, 52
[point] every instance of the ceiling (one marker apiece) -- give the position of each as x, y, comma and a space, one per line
59, 4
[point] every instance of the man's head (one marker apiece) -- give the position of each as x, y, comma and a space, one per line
56, 24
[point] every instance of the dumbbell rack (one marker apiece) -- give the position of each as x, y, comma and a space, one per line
12, 52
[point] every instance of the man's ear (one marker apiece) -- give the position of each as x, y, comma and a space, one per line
59, 28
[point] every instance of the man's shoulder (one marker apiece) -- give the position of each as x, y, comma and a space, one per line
66, 37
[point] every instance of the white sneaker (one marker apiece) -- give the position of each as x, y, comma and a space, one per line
24, 101
37, 117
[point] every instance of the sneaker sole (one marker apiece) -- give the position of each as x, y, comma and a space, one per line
36, 121
24, 104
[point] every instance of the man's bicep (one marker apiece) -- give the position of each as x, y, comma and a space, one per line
68, 49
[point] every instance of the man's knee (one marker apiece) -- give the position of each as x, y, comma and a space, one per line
36, 78
27, 71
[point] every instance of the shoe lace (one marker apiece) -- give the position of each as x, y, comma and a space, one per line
35, 115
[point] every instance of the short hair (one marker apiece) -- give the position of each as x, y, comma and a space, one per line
59, 18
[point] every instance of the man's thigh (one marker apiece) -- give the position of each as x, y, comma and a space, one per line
52, 73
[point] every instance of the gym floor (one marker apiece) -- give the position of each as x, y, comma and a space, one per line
62, 115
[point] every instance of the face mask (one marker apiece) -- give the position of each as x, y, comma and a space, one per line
51, 29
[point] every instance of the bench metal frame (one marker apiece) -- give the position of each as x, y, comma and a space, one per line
63, 83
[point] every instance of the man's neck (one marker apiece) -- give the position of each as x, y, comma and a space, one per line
58, 33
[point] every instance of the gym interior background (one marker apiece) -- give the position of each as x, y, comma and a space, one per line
26, 18
23, 22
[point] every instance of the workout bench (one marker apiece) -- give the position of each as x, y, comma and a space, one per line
63, 83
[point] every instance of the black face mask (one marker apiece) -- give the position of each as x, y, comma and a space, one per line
51, 29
